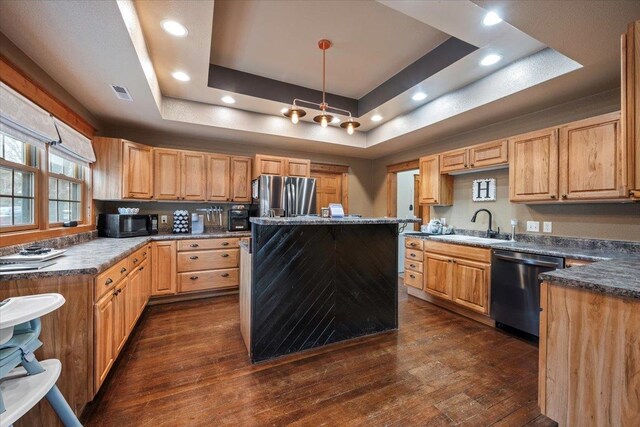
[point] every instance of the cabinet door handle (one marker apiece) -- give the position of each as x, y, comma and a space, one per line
435, 200
135, 260
412, 255
141, 268
225, 243
194, 245
224, 255
412, 244
194, 257
465, 165
225, 275
144, 254
122, 270
193, 277
412, 276
412, 265
553, 196
108, 282
564, 196
472, 164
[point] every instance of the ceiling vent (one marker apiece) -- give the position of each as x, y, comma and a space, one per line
122, 92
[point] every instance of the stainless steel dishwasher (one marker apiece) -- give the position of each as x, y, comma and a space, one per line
515, 288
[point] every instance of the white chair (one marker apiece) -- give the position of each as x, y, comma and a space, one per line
23, 380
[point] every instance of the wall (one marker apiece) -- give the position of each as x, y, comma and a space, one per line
360, 189
610, 220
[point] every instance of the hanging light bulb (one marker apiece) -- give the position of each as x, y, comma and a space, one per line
323, 121
350, 126
294, 113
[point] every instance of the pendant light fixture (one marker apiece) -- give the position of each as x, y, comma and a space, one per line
295, 112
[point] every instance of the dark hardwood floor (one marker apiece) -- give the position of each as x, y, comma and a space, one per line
186, 364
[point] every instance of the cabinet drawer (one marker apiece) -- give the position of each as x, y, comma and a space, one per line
414, 254
202, 244
458, 251
203, 280
413, 279
412, 265
413, 244
108, 279
138, 256
208, 260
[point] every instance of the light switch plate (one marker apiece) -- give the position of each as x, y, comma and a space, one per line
547, 227
163, 219
533, 226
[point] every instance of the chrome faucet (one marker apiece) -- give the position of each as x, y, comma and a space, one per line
490, 233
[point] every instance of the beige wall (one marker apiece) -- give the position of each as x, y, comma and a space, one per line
610, 220
360, 189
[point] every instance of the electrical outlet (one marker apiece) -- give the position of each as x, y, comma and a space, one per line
547, 227
533, 226
163, 219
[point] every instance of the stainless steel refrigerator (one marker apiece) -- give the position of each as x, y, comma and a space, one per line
284, 195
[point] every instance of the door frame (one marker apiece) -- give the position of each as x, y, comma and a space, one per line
392, 188
337, 170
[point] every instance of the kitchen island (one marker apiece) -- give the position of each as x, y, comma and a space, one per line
316, 281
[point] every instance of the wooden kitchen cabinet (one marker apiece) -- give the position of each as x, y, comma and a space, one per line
438, 279
166, 168
123, 170
298, 167
488, 155
471, 284
435, 188
104, 348
120, 315
533, 169
240, 179
193, 176
592, 164
631, 104
219, 174
208, 264
135, 289
283, 166
163, 254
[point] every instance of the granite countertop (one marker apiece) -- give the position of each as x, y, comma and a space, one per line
95, 256
315, 220
617, 277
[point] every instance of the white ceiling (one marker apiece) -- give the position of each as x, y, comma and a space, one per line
86, 46
278, 40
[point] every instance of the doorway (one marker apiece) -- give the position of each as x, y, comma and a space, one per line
332, 185
407, 186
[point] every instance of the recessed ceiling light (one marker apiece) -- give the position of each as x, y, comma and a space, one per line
335, 120
181, 75
419, 96
228, 100
174, 28
490, 59
491, 18
376, 118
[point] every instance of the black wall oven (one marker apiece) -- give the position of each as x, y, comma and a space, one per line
122, 225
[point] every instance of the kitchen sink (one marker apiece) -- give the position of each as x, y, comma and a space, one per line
469, 239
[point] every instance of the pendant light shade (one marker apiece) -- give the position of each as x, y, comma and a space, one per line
295, 113
324, 119
350, 126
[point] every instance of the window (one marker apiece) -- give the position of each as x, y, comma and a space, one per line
65, 190
18, 171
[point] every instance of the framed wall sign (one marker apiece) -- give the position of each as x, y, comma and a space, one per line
484, 190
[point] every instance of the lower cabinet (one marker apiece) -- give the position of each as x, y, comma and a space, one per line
164, 268
439, 277
208, 264
104, 320
471, 284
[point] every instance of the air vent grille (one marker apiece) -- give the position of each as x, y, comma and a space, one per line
122, 92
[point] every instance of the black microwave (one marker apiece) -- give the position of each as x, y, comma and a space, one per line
123, 225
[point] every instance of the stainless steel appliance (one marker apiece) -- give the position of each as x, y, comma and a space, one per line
125, 225
515, 288
284, 195
238, 219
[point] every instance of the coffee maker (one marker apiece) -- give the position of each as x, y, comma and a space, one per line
238, 219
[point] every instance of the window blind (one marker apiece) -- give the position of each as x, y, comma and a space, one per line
23, 120
72, 145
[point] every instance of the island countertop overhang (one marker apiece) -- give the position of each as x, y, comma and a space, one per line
331, 221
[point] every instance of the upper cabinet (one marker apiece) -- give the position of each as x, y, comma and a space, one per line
283, 166
240, 179
193, 179
631, 104
435, 188
166, 168
592, 162
219, 168
482, 156
533, 170
123, 170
